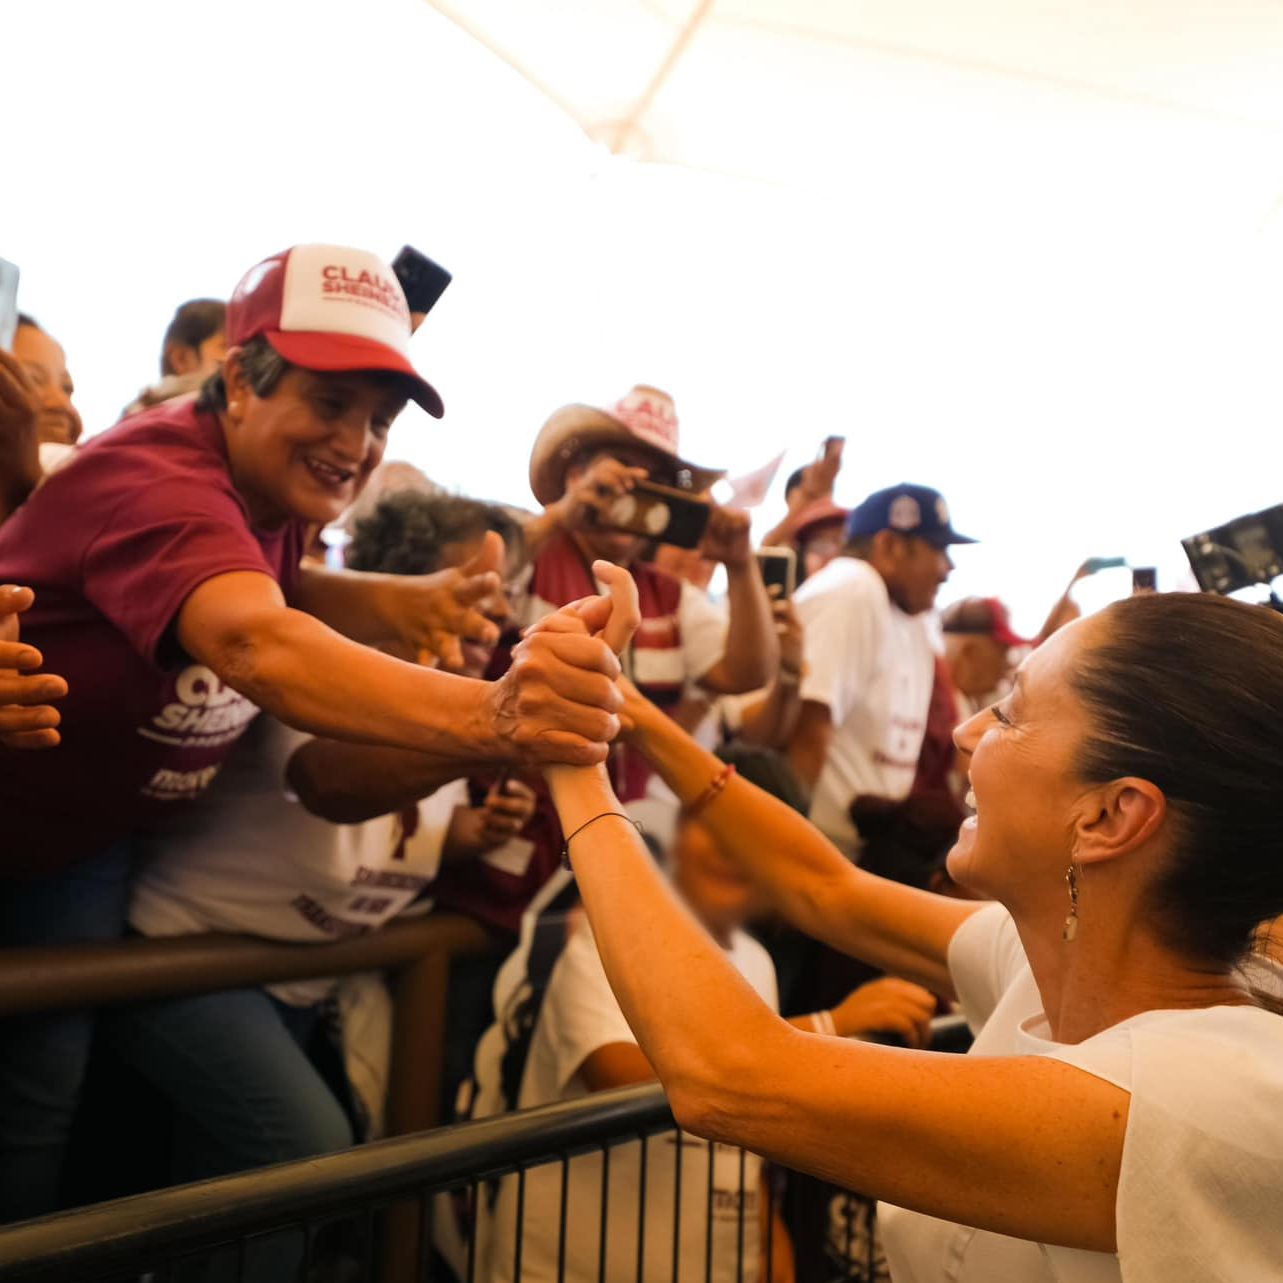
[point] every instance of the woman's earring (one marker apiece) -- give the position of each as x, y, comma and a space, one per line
1071, 922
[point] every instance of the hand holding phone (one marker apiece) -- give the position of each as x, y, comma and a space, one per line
661, 513
779, 570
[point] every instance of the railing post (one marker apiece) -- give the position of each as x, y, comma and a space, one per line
419, 995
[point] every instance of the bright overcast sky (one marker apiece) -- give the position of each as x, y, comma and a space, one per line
1067, 328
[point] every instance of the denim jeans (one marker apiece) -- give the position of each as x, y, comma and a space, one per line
235, 1066
43, 1057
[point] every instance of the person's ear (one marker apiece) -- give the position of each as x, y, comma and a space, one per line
236, 384
1119, 817
182, 359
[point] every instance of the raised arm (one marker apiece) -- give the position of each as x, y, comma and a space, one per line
893, 927
752, 648
433, 613
555, 703
1022, 1146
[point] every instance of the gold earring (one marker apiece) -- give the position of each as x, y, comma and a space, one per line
1071, 922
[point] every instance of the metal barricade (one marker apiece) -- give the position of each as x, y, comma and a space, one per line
327, 1218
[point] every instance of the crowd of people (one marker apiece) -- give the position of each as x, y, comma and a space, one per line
719, 841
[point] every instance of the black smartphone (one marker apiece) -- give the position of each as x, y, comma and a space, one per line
779, 569
8, 304
661, 513
1144, 579
422, 280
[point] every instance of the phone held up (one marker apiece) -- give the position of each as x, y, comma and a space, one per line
422, 281
662, 513
779, 570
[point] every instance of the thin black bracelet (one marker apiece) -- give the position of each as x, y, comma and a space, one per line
565, 850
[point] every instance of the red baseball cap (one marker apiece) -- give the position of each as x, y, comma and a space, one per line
982, 617
821, 512
329, 308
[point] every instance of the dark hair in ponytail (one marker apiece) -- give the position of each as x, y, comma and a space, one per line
1187, 692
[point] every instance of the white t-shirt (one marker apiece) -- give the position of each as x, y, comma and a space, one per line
579, 1016
1200, 1197
249, 858
873, 666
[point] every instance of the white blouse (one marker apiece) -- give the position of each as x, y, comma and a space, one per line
1200, 1196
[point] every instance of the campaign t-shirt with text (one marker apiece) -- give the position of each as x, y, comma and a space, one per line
113, 545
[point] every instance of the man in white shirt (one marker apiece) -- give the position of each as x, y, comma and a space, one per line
869, 656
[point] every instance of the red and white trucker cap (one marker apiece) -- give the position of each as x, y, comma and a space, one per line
329, 308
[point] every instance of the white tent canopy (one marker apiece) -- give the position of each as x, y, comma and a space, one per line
1027, 252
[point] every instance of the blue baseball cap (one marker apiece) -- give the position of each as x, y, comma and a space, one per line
908, 510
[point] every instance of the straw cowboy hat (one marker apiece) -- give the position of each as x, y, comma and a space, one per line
645, 417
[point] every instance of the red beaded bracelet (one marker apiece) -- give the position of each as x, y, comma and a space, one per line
711, 793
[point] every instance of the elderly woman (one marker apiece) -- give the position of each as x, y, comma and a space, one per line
170, 594
1121, 1116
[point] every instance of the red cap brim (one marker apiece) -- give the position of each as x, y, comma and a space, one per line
333, 353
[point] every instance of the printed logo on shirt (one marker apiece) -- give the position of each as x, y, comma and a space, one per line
176, 786
205, 712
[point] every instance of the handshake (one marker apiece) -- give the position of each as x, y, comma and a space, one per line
560, 701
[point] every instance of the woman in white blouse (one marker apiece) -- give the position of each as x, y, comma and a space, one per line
1121, 1116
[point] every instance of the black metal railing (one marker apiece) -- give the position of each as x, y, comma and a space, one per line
313, 1219
149, 1233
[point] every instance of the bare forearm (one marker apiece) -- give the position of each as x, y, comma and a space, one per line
299, 670
628, 899
351, 783
772, 720
895, 928
895, 1124
752, 647
350, 601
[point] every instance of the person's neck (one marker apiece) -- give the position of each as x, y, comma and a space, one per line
1114, 968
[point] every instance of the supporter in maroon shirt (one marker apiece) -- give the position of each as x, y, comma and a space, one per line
165, 563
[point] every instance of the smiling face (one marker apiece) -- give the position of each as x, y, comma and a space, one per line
307, 449
45, 364
1028, 797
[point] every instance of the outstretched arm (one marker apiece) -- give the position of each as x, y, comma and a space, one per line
555, 703
893, 927
1040, 1142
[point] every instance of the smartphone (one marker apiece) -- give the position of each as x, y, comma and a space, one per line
832, 448
1094, 565
661, 513
1144, 579
8, 303
422, 280
779, 569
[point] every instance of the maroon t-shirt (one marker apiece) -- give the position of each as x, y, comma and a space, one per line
113, 545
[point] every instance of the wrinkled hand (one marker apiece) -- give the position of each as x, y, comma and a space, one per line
26, 718
474, 830
559, 701
788, 628
590, 497
437, 613
888, 1005
728, 538
19, 439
